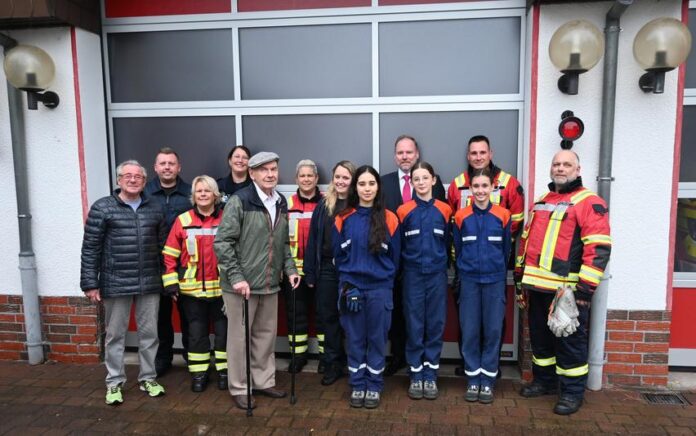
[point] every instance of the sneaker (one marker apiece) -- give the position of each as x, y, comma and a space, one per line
485, 395
357, 398
472, 393
114, 395
415, 391
371, 399
152, 388
430, 391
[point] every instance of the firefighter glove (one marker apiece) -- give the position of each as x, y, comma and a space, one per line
171, 290
520, 295
353, 300
563, 313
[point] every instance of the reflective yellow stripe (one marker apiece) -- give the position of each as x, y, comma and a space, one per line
459, 180
580, 196
551, 237
298, 338
546, 279
198, 356
220, 354
573, 372
198, 368
596, 239
171, 251
185, 219
590, 275
221, 366
170, 279
320, 337
495, 196
190, 273
517, 216
300, 349
321, 349
543, 362
192, 249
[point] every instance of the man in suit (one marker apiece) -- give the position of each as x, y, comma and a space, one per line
397, 190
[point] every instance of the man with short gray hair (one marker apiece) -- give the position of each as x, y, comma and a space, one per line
121, 266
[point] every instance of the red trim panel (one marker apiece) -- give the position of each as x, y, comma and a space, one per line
275, 5
415, 2
78, 117
533, 105
682, 328
143, 8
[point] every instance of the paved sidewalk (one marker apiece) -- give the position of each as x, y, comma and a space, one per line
69, 399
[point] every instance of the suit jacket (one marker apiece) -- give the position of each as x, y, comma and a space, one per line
391, 193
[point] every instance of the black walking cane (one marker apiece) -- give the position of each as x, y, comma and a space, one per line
247, 341
293, 399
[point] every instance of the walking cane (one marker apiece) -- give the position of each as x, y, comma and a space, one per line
247, 341
293, 399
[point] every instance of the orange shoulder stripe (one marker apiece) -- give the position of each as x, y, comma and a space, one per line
463, 214
444, 209
502, 213
392, 221
406, 208
341, 217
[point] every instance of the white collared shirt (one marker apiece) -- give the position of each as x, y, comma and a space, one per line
269, 202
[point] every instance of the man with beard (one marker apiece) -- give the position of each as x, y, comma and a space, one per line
566, 243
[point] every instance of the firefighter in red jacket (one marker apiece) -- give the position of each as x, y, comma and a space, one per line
566, 242
191, 274
300, 209
507, 191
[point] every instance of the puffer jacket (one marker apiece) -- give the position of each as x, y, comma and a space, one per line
249, 248
121, 248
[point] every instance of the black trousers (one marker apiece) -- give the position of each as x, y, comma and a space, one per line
200, 313
165, 330
397, 331
327, 314
558, 360
304, 299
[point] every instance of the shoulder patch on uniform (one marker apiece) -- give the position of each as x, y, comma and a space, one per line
444, 209
341, 217
502, 213
392, 221
406, 208
463, 214
600, 209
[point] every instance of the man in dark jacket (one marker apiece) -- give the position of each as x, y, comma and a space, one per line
121, 265
174, 196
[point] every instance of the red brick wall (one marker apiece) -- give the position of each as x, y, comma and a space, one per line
636, 348
70, 327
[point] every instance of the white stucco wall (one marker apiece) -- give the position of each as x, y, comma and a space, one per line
643, 149
53, 168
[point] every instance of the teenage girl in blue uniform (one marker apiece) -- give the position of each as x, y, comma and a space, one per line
425, 230
367, 246
482, 246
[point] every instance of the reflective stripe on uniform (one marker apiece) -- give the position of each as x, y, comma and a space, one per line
551, 237
488, 373
171, 251
431, 365
418, 369
362, 366
468, 238
170, 279
590, 275
345, 244
495, 238
596, 239
375, 371
201, 232
412, 232
573, 372
538, 277
538, 361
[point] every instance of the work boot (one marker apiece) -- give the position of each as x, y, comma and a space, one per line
395, 364
321, 367
222, 380
297, 364
567, 405
199, 381
333, 373
162, 366
537, 389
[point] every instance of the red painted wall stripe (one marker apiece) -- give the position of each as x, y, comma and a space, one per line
533, 103
142, 8
277, 5
415, 2
78, 117
675, 167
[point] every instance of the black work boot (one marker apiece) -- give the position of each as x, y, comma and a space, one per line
537, 389
297, 364
332, 373
222, 379
567, 405
199, 381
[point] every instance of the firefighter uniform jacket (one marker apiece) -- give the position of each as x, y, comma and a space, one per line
300, 212
507, 192
189, 259
566, 241
425, 227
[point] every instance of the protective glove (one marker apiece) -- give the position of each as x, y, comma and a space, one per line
520, 295
353, 300
171, 290
563, 313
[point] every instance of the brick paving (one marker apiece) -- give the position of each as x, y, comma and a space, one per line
59, 398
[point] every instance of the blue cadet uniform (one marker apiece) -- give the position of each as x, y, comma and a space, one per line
482, 241
425, 229
373, 276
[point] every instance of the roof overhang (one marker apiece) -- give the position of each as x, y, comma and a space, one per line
22, 14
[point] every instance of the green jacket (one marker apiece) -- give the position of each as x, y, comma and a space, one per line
246, 246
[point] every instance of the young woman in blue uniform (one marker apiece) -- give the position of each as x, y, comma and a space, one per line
425, 230
482, 242
367, 246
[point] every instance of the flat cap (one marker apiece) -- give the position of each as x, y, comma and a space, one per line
262, 157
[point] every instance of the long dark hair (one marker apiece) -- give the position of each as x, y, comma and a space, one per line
378, 221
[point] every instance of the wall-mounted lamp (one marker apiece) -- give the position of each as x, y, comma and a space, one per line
575, 48
660, 46
32, 70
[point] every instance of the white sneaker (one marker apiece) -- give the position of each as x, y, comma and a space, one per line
415, 391
430, 391
371, 399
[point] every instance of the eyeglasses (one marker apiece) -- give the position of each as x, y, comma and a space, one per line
128, 177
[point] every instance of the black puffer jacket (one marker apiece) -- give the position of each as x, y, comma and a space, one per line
121, 248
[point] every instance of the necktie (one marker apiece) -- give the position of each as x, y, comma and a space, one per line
406, 192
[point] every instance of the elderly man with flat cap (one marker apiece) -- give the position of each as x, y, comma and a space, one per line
252, 247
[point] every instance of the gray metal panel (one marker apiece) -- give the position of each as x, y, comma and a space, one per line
472, 56
306, 61
687, 165
326, 139
691, 60
442, 138
188, 65
201, 142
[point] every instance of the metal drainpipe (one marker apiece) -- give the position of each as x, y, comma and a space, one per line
598, 316
27, 262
